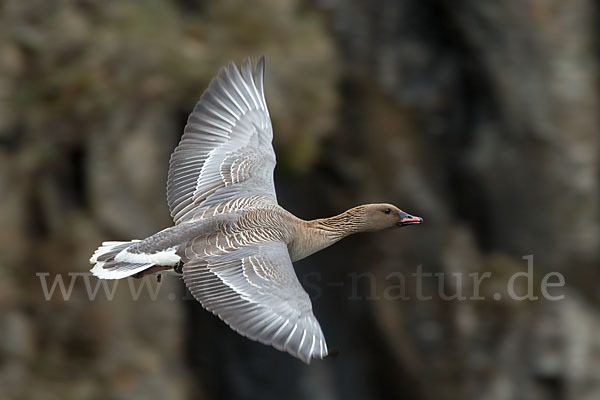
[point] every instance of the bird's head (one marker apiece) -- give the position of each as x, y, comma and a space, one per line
377, 217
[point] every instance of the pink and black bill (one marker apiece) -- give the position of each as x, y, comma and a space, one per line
407, 219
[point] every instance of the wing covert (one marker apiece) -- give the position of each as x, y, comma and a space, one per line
225, 151
254, 289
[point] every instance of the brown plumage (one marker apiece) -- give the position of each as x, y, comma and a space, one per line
235, 242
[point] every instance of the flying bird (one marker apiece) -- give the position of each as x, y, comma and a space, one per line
232, 242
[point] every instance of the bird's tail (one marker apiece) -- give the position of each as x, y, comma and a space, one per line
159, 252
110, 262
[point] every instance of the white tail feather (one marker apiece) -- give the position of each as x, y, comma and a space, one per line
116, 271
107, 247
119, 263
104, 273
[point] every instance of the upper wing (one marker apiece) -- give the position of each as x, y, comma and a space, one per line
255, 291
225, 151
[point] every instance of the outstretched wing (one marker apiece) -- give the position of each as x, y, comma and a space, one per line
225, 152
255, 291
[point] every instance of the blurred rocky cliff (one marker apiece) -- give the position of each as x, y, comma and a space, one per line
481, 116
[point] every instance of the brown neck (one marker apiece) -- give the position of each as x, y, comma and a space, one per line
342, 225
320, 233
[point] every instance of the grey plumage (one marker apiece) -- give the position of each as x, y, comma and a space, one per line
223, 166
226, 150
237, 244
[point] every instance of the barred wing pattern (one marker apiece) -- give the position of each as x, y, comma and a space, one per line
255, 291
225, 151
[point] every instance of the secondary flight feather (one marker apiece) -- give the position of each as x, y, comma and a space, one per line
232, 242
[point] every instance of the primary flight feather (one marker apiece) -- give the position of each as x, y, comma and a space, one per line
232, 241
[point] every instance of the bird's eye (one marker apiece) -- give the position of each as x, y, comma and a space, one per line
387, 211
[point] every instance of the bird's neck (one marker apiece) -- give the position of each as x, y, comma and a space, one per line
317, 234
341, 225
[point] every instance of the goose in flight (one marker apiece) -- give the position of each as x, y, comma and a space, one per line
232, 242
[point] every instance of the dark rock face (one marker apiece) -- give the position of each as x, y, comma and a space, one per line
480, 116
